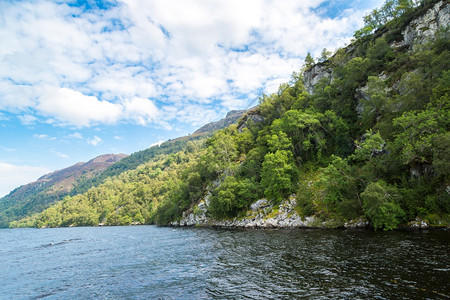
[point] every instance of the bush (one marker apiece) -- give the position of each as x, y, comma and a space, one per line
380, 206
233, 196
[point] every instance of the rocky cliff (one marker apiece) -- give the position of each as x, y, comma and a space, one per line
422, 27
262, 214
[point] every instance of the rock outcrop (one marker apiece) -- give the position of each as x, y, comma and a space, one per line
313, 75
252, 115
262, 214
423, 28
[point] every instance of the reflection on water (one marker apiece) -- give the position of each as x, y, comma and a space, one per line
148, 262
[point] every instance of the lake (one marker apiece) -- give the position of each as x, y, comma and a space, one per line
149, 262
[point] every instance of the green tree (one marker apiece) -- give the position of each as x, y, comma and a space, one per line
380, 205
374, 105
279, 175
233, 196
309, 61
421, 135
341, 184
324, 55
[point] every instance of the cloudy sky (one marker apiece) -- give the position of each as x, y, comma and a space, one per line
84, 78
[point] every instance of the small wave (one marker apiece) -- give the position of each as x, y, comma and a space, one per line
44, 295
58, 243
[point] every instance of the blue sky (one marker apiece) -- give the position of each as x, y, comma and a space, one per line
84, 78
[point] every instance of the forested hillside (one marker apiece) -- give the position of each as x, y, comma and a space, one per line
36, 196
362, 134
78, 179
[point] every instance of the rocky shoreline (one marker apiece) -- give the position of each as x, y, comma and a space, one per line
262, 215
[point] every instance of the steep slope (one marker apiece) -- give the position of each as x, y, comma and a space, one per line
35, 196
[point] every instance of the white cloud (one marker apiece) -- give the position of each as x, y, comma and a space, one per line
27, 119
109, 66
41, 136
6, 149
67, 106
158, 143
119, 138
142, 111
59, 154
75, 135
12, 176
95, 141
44, 137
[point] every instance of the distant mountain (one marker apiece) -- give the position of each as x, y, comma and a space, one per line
232, 117
35, 196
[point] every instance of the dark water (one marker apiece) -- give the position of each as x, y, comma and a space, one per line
148, 262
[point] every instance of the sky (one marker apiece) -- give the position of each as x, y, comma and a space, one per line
83, 78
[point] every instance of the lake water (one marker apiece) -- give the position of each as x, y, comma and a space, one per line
148, 262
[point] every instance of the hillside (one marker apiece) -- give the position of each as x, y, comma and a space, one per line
360, 137
172, 146
35, 196
79, 178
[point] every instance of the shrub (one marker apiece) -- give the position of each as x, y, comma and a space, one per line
380, 205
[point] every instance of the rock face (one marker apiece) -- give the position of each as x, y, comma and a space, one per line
252, 115
418, 224
423, 28
262, 214
312, 76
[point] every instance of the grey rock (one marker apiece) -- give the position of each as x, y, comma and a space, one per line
313, 75
424, 28
358, 223
260, 204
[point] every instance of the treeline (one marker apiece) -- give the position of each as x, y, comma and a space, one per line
131, 162
132, 197
28, 200
372, 141
398, 10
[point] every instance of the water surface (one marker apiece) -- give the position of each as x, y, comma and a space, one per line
148, 262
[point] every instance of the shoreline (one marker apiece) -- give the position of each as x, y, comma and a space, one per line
263, 215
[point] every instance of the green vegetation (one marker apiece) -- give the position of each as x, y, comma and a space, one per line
373, 141
31, 199
129, 198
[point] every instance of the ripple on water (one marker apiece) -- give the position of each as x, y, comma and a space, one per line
148, 262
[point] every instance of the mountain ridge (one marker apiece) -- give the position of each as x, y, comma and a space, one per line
52, 186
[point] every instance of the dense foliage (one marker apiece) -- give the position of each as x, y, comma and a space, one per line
372, 141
